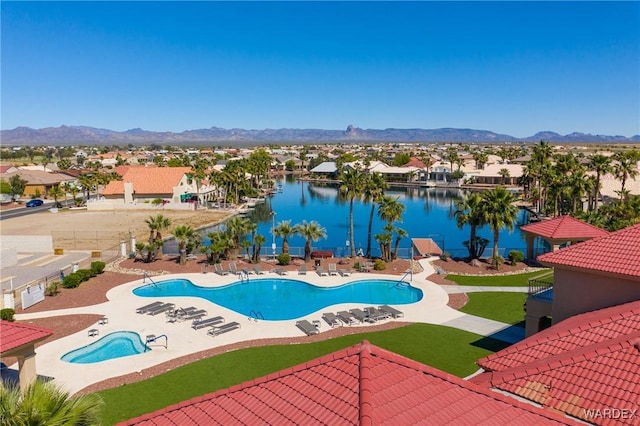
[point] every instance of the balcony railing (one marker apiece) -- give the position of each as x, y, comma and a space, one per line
541, 288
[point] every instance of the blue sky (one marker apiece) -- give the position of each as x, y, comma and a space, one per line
510, 67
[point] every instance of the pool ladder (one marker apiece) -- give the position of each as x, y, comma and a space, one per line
243, 275
401, 281
256, 315
145, 275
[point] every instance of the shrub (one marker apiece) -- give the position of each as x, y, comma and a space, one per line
52, 289
98, 266
284, 259
156, 201
7, 314
379, 265
445, 256
84, 274
498, 261
72, 280
515, 256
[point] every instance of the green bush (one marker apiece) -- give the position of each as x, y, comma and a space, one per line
72, 280
379, 265
98, 266
515, 256
52, 289
284, 259
84, 274
445, 256
7, 314
498, 261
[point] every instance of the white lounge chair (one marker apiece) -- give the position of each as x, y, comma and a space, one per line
220, 270
345, 273
333, 269
302, 270
320, 270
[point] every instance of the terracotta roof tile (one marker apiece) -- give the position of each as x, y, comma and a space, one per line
617, 253
147, 180
597, 367
363, 384
15, 334
564, 227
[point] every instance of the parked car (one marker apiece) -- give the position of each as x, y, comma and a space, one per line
34, 203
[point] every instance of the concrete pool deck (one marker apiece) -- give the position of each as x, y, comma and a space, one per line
183, 340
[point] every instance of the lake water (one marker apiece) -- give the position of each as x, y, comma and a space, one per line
428, 213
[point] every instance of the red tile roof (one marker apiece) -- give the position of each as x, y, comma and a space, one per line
617, 253
415, 162
14, 335
564, 228
363, 384
588, 362
148, 180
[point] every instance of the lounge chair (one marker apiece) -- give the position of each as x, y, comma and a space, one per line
331, 319
220, 270
194, 315
258, 270
361, 316
215, 331
332, 269
302, 270
345, 273
320, 270
366, 267
280, 271
376, 314
347, 318
207, 322
161, 309
233, 268
308, 328
391, 311
145, 308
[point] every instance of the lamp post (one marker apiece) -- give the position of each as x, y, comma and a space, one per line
273, 234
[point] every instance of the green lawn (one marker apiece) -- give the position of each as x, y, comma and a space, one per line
513, 280
452, 350
498, 306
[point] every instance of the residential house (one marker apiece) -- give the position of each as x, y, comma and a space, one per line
39, 182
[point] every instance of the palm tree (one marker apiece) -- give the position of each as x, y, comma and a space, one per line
373, 193
237, 227
310, 231
601, 164
56, 192
353, 185
390, 209
284, 229
499, 212
157, 224
258, 241
183, 234
42, 403
469, 212
626, 167
400, 234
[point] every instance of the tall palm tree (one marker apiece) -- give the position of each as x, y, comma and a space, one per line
310, 231
237, 227
469, 212
353, 185
626, 167
284, 230
42, 403
499, 212
183, 234
390, 209
601, 164
56, 192
373, 193
400, 234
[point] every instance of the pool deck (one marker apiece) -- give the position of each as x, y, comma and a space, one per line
183, 340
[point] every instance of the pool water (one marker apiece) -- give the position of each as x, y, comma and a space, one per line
284, 299
113, 345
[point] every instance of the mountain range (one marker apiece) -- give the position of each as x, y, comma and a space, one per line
83, 135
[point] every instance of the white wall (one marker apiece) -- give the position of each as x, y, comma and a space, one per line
27, 243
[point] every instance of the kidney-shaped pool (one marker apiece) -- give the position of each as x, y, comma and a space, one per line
284, 299
113, 345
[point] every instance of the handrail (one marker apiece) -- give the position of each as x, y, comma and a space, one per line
150, 339
409, 272
256, 315
145, 275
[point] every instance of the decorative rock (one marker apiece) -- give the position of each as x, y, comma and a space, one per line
475, 263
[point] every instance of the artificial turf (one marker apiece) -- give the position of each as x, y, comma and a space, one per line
510, 280
452, 350
499, 306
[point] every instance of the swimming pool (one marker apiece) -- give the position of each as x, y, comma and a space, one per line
113, 345
284, 299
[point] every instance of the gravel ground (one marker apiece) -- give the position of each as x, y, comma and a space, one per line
94, 292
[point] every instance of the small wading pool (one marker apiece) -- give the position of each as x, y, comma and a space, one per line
113, 345
285, 299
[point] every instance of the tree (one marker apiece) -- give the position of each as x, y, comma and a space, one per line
237, 227
184, 234
373, 193
284, 230
157, 224
499, 212
469, 212
310, 231
401, 159
601, 164
353, 185
17, 185
504, 173
42, 403
389, 210
626, 167
56, 192
400, 234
